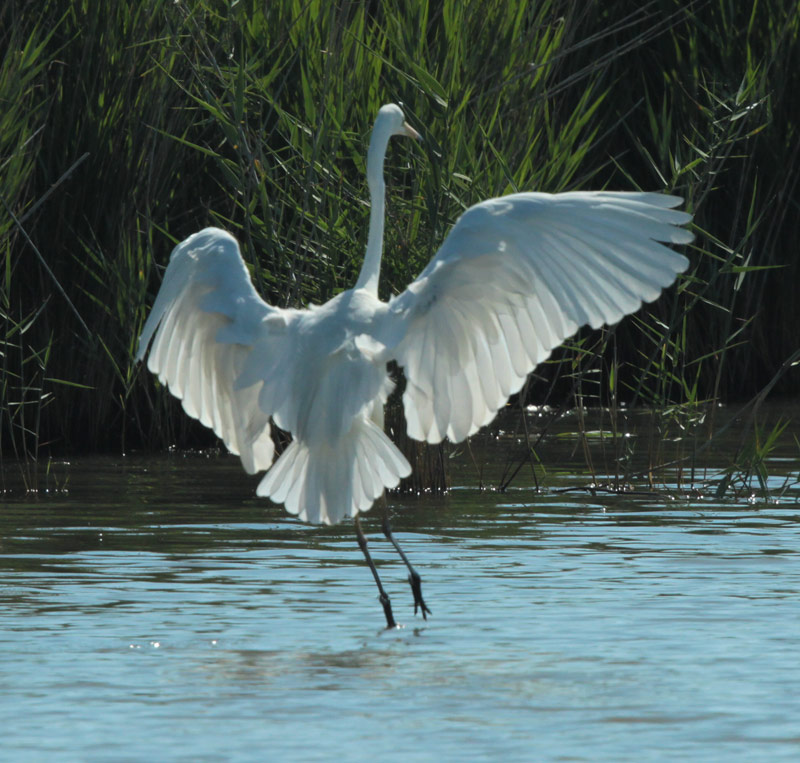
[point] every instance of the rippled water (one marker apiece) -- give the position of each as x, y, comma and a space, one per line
158, 611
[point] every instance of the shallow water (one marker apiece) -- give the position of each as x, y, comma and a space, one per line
158, 611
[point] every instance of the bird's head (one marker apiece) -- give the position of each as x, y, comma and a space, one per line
392, 121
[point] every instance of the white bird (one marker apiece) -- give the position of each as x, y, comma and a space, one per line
514, 278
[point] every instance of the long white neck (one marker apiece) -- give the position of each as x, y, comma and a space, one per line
371, 269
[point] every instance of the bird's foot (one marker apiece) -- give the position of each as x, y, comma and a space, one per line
416, 588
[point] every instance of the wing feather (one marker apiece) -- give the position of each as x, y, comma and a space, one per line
203, 327
515, 277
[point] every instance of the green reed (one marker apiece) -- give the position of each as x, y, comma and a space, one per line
125, 127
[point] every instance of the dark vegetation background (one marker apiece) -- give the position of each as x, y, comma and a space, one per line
124, 127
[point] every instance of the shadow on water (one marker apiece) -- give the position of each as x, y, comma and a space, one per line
159, 610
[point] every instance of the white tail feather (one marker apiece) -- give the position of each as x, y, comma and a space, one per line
325, 483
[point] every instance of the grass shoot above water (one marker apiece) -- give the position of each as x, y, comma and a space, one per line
123, 128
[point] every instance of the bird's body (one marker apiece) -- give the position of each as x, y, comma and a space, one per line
515, 277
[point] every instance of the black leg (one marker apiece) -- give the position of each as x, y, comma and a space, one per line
383, 596
413, 577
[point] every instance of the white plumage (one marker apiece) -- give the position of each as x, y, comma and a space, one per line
515, 277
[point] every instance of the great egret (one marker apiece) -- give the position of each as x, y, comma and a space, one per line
515, 277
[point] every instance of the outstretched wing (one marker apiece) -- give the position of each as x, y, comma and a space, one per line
515, 277
204, 323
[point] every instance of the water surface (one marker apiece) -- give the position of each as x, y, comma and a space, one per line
159, 611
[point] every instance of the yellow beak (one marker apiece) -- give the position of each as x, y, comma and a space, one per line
411, 132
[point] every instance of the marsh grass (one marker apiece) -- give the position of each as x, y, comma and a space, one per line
125, 127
